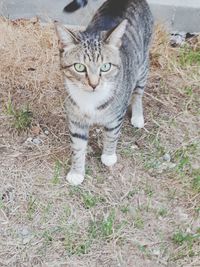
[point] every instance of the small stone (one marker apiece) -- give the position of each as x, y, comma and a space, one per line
8, 195
134, 147
156, 251
36, 141
25, 235
167, 157
29, 140
25, 231
46, 132
132, 211
181, 214
177, 39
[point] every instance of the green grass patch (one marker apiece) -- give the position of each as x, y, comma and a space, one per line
125, 209
188, 91
179, 238
188, 57
1, 202
196, 180
77, 241
162, 212
138, 221
184, 156
186, 244
103, 228
75, 244
22, 117
31, 208
88, 199
57, 172
127, 152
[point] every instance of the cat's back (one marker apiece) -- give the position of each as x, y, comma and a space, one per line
112, 12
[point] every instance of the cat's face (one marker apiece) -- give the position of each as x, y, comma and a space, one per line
90, 62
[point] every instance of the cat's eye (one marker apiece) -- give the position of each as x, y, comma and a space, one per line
106, 67
79, 67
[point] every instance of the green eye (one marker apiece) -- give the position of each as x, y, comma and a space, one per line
80, 67
106, 67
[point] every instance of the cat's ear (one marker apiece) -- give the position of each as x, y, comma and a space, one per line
66, 37
115, 35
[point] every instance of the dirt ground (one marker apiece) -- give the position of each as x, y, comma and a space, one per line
142, 212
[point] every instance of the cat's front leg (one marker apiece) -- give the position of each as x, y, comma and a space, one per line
111, 136
79, 137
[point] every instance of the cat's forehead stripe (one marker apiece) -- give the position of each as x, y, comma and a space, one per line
92, 47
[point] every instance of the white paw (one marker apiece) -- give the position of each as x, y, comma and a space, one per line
137, 122
74, 178
108, 160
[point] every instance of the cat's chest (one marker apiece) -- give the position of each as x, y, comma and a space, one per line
91, 105
87, 107
88, 104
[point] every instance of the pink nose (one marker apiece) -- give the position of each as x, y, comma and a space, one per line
93, 85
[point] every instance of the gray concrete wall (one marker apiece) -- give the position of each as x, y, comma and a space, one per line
179, 15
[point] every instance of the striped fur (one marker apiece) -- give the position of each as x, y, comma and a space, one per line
119, 34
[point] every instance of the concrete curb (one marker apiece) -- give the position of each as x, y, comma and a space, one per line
179, 15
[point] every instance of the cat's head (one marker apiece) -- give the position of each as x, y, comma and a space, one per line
90, 62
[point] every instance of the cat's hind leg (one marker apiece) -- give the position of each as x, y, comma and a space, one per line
137, 117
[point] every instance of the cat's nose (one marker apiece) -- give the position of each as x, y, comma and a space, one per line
93, 85
93, 81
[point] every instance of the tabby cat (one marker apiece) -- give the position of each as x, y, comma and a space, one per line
105, 69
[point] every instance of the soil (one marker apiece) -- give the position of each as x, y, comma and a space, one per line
144, 211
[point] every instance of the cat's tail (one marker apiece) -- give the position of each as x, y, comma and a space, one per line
75, 5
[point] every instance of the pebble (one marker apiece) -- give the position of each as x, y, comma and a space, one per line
167, 157
156, 252
29, 140
177, 39
25, 235
134, 147
8, 195
34, 140
181, 214
46, 132
25, 231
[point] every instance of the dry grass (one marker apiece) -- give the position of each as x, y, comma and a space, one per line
144, 211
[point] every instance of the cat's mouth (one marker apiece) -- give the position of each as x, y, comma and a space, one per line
92, 89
